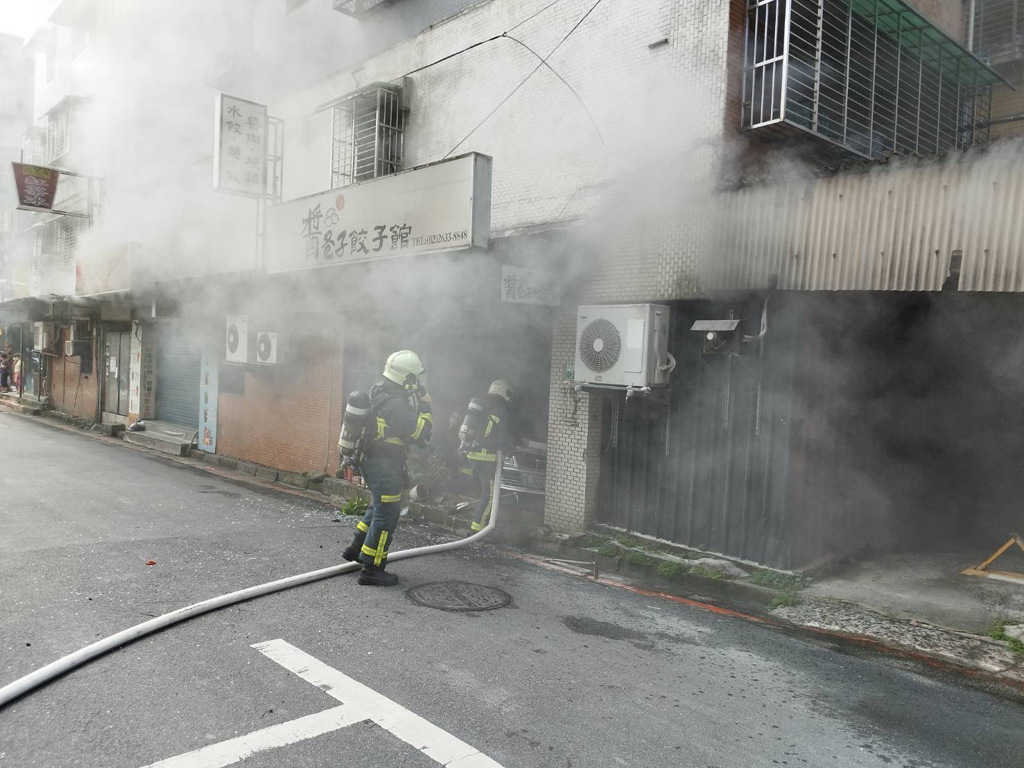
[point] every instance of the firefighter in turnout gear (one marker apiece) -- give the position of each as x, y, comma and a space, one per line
486, 431
399, 416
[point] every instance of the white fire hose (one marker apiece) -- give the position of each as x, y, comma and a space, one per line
33, 680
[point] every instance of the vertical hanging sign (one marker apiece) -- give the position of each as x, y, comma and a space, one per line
240, 147
209, 387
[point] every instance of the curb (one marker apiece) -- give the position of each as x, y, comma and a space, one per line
978, 658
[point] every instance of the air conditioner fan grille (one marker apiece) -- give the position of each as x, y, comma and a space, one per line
600, 345
264, 345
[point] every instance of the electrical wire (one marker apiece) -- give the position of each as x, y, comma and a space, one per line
526, 79
583, 104
533, 15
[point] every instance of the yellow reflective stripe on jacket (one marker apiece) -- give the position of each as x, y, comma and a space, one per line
382, 428
387, 498
481, 456
421, 422
362, 527
379, 554
491, 422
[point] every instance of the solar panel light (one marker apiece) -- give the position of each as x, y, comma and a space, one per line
721, 337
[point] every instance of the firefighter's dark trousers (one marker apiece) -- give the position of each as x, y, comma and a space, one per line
483, 477
383, 477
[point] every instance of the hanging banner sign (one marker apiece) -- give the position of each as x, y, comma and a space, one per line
240, 147
528, 286
37, 186
443, 206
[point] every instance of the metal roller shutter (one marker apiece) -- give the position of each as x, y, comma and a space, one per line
177, 377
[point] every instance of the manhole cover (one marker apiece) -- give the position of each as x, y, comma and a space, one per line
459, 596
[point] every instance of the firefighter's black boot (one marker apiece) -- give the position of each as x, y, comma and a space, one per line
351, 552
373, 576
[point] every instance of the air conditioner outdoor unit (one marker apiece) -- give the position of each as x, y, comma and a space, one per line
79, 331
623, 345
42, 335
266, 348
237, 341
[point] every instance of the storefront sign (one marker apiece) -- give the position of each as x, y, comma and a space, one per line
209, 391
240, 147
445, 206
37, 186
528, 286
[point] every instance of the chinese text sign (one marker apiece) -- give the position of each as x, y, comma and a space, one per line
240, 147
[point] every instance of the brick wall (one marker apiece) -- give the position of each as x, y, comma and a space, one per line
948, 15
290, 414
71, 391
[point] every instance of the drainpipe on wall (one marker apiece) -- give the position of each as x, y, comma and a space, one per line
970, 25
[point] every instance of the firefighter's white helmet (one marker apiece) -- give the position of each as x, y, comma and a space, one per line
404, 367
502, 389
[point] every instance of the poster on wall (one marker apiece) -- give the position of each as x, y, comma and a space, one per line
528, 286
209, 368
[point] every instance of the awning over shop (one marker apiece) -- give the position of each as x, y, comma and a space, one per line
25, 310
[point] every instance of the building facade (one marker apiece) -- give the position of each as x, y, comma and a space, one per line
730, 161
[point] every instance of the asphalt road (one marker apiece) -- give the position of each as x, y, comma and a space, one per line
569, 674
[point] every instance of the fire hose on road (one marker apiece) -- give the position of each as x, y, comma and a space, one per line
56, 668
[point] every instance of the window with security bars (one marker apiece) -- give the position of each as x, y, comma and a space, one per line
368, 135
65, 241
58, 132
870, 78
357, 8
998, 31
33, 145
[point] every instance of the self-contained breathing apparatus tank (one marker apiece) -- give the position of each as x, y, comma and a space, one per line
469, 432
353, 426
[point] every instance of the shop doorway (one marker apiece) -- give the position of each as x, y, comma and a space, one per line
116, 363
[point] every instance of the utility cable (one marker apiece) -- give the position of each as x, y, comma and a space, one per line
583, 104
526, 79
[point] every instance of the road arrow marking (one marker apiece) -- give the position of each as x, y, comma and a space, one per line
359, 704
436, 743
238, 749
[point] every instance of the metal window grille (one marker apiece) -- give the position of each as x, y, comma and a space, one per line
58, 133
368, 135
357, 8
33, 145
65, 241
998, 35
870, 77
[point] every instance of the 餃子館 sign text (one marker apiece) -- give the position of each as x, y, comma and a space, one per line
444, 206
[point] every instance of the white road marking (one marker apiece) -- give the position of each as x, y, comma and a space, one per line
238, 749
436, 743
359, 704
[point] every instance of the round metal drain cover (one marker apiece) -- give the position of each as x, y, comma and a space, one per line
459, 596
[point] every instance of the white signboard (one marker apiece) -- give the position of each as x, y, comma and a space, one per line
240, 147
444, 206
528, 286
